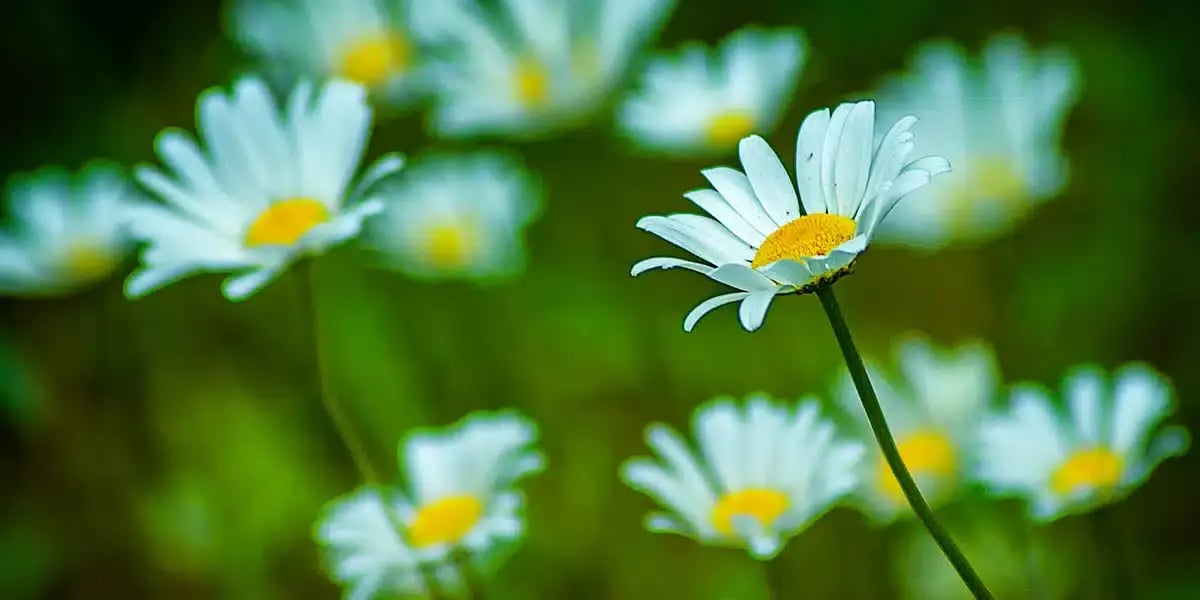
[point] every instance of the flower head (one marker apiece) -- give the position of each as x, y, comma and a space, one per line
66, 231
762, 242
1105, 444
268, 189
998, 120
534, 66
738, 491
934, 409
462, 484
700, 100
365, 41
458, 217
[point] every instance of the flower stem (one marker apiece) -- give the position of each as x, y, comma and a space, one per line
887, 445
472, 579
311, 319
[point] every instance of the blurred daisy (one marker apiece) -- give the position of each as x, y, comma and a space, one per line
934, 412
531, 66
366, 41
462, 492
761, 242
740, 491
1105, 444
364, 551
701, 100
268, 189
458, 217
999, 121
65, 232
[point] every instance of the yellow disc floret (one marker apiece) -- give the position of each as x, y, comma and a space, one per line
925, 453
285, 222
762, 504
445, 521
811, 235
370, 60
531, 83
450, 245
727, 128
1092, 468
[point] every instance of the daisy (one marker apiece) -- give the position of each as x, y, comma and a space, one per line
933, 410
1105, 444
764, 472
364, 551
66, 231
998, 120
366, 41
267, 189
699, 100
762, 241
462, 480
458, 217
532, 66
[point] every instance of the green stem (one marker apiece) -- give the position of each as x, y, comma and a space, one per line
471, 576
887, 445
311, 319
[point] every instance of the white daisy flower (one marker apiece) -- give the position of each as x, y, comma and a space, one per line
702, 100
1103, 447
364, 551
267, 190
761, 242
999, 121
458, 217
462, 480
762, 475
532, 66
366, 41
65, 232
934, 411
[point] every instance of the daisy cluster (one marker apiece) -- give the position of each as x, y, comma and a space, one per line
278, 170
763, 470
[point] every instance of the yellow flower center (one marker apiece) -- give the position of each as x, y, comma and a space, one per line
993, 179
445, 521
285, 222
727, 128
531, 83
762, 504
450, 245
87, 260
371, 59
811, 235
1094, 467
927, 452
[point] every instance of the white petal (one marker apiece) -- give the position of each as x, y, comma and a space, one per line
714, 204
854, 158
829, 155
735, 188
1141, 398
666, 262
810, 142
714, 249
769, 179
239, 287
689, 322
742, 277
789, 272
1084, 389
753, 310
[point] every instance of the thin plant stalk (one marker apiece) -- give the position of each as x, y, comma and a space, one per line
887, 445
311, 319
472, 579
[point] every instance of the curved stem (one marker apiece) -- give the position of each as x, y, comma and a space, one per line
887, 445
310, 319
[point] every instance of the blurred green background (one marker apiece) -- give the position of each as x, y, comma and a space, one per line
174, 446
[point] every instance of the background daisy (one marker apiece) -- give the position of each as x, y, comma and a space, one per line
934, 409
736, 491
458, 217
265, 189
64, 231
365, 41
1104, 445
998, 119
699, 100
531, 66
